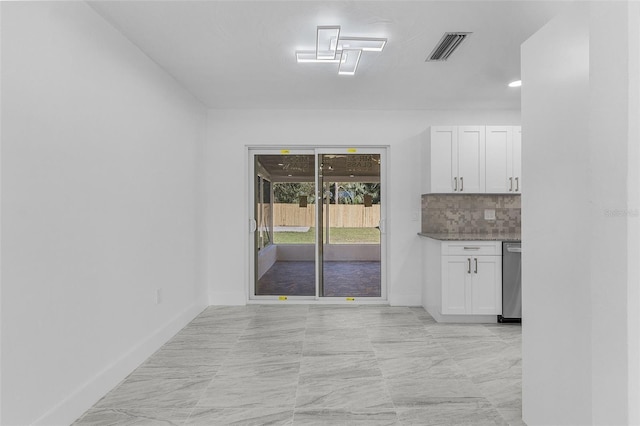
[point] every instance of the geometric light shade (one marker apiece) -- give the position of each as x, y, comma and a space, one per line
349, 61
327, 42
310, 56
362, 43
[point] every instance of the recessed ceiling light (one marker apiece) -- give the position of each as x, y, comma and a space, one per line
333, 49
516, 83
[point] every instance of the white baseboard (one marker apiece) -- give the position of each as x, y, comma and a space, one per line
79, 401
236, 298
464, 319
405, 300
432, 310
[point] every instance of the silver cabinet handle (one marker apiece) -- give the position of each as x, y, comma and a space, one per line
468, 265
475, 271
455, 180
471, 248
461, 184
517, 184
510, 184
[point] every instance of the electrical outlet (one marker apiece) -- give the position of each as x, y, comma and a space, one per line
158, 296
489, 214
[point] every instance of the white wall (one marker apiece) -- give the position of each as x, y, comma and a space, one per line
556, 300
633, 230
576, 214
610, 142
100, 208
231, 131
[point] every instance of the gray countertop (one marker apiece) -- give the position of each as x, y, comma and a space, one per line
471, 237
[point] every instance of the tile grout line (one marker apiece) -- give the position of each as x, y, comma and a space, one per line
384, 380
230, 350
304, 339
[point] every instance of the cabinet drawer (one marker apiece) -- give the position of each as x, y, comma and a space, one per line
472, 248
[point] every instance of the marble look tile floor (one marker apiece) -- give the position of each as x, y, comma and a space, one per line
320, 365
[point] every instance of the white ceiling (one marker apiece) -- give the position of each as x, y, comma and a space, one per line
241, 54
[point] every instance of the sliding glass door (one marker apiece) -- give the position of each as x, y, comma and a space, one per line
317, 224
350, 253
284, 256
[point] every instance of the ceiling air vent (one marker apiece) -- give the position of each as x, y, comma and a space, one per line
448, 43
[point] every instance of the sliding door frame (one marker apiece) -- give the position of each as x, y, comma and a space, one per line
252, 153
251, 258
361, 150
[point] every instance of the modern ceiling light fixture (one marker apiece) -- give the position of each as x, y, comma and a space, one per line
331, 48
516, 83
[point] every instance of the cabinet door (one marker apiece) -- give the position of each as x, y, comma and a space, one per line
486, 285
441, 159
499, 155
471, 159
517, 159
455, 280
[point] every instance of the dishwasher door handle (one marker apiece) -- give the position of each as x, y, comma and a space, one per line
514, 249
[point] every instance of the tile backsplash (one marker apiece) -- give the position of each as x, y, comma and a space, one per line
464, 214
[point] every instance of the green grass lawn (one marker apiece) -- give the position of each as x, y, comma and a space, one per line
336, 236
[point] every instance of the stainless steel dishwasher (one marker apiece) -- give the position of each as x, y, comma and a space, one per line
511, 282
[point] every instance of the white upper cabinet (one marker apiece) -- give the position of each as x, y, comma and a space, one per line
454, 160
499, 166
503, 162
517, 159
441, 154
473, 159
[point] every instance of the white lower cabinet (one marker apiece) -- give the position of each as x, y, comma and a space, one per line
471, 285
466, 280
455, 282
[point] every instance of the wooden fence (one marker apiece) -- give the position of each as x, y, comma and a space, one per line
340, 215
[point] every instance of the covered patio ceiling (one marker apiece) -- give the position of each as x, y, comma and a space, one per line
333, 167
